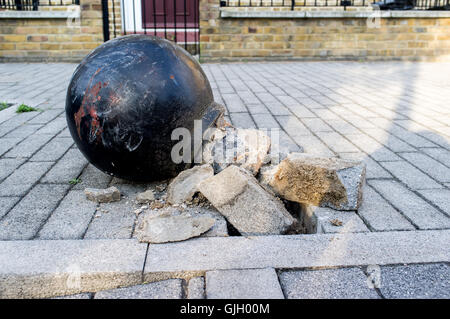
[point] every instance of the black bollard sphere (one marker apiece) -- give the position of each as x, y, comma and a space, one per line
125, 99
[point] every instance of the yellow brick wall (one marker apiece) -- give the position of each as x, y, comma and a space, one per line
239, 39
47, 40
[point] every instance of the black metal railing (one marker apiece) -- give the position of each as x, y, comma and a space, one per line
33, 5
175, 20
381, 4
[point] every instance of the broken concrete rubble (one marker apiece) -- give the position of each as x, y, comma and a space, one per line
111, 194
246, 205
165, 228
185, 185
145, 197
327, 182
247, 148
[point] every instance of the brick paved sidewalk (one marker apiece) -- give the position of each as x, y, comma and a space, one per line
394, 116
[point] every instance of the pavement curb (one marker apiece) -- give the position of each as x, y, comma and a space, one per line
40, 269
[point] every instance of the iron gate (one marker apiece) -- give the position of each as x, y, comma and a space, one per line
174, 20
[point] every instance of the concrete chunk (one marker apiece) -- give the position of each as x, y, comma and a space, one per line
163, 229
252, 210
185, 185
244, 147
326, 182
111, 194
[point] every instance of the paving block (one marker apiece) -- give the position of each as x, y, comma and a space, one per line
328, 220
379, 214
296, 251
427, 281
337, 142
410, 175
49, 268
70, 219
92, 177
23, 131
46, 116
27, 217
440, 154
19, 182
428, 165
373, 169
375, 149
54, 127
417, 211
9, 165
6, 203
438, 197
167, 289
29, 146
236, 194
196, 288
113, 221
53, 150
243, 284
344, 283
67, 168
242, 120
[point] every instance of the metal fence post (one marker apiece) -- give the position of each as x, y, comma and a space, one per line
105, 14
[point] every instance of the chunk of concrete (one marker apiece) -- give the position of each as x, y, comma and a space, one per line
145, 197
247, 206
244, 147
108, 195
326, 182
163, 229
185, 185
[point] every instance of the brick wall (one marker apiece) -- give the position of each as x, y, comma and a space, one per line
235, 39
52, 39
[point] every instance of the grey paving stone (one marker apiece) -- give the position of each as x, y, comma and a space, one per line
337, 142
48, 268
28, 146
234, 103
6, 203
293, 126
19, 182
428, 165
25, 219
67, 168
440, 154
92, 177
327, 221
196, 288
53, 127
266, 121
116, 223
388, 140
373, 148
70, 219
23, 131
242, 120
8, 165
410, 137
439, 197
53, 150
46, 116
410, 175
257, 108
379, 214
243, 284
312, 145
428, 281
296, 251
8, 143
317, 125
167, 289
419, 212
344, 283
373, 169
